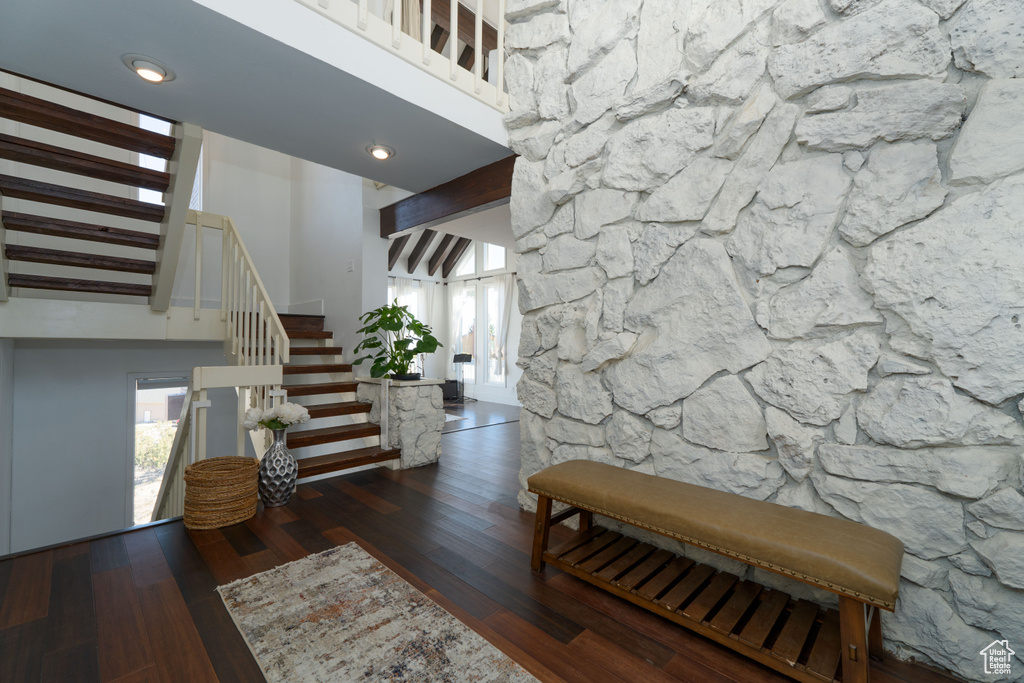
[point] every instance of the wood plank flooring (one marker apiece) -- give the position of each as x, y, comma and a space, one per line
141, 606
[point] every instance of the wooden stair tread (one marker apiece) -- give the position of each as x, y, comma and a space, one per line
309, 334
48, 193
316, 369
56, 227
340, 408
314, 389
79, 163
72, 285
316, 437
296, 321
315, 350
323, 464
73, 258
37, 112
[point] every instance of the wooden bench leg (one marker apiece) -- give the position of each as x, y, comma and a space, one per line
540, 532
853, 631
875, 634
586, 520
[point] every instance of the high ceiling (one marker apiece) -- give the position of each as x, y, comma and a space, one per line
238, 82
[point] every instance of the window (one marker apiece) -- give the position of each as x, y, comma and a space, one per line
409, 294
466, 305
494, 257
495, 368
467, 264
154, 163
158, 402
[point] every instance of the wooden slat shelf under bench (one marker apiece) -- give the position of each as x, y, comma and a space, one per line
795, 637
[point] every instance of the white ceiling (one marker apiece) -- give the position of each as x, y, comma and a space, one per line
238, 82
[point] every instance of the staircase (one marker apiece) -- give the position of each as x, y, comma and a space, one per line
338, 435
70, 219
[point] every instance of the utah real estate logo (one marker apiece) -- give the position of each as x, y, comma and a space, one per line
997, 657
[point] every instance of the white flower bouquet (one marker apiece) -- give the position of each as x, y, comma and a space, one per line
277, 417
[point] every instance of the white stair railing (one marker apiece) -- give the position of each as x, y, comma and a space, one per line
388, 33
256, 387
254, 339
255, 335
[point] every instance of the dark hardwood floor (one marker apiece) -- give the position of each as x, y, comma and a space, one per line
478, 414
141, 606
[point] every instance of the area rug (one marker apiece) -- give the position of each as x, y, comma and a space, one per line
341, 615
448, 417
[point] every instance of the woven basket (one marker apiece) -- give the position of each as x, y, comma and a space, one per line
220, 492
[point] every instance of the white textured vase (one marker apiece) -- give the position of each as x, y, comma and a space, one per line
278, 472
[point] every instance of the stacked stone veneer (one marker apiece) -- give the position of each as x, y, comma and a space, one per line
777, 248
415, 420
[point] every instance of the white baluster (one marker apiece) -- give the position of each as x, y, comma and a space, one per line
396, 25
499, 83
425, 31
259, 331
224, 266
363, 14
453, 39
478, 50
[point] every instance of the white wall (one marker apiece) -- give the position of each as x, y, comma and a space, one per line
326, 245
71, 426
253, 186
6, 442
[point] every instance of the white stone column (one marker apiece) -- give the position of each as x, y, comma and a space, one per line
415, 418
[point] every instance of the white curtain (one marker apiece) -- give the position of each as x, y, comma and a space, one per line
456, 290
410, 17
429, 290
407, 293
505, 284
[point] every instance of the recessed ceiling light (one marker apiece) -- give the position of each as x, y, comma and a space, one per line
380, 152
148, 68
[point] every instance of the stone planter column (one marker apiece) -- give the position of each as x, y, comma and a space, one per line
415, 418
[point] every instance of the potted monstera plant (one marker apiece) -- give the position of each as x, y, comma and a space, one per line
393, 337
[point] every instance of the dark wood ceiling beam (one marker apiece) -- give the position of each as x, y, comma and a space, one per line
395, 251
453, 258
419, 250
491, 184
467, 58
438, 255
441, 12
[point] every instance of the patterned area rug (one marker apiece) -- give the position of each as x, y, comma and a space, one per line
343, 616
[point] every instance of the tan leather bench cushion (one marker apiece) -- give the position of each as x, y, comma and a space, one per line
838, 555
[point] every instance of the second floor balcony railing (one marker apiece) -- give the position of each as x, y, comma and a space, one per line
442, 37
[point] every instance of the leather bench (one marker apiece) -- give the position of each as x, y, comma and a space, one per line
795, 637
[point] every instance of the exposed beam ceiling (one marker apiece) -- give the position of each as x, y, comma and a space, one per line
435, 259
454, 255
479, 189
419, 250
395, 250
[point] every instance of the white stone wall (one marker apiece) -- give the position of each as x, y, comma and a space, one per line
415, 420
777, 248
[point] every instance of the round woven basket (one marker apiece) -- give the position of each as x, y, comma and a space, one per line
220, 492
